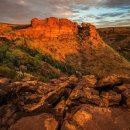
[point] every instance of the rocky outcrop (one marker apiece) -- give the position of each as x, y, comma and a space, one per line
90, 31
49, 28
61, 28
54, 27
68, 103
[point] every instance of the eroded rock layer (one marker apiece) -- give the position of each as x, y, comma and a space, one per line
51, 28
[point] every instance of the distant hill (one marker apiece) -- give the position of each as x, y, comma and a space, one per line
118, 38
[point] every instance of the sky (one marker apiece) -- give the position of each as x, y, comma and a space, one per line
102, 13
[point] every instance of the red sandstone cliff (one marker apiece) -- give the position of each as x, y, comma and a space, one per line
53, 28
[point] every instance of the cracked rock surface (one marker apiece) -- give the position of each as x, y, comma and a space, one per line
67, 103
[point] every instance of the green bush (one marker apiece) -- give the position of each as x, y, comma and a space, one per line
3, 50
38, 57
7, 72
25, 48
53, 75
58, 64
7, 31
14, 56
17, 27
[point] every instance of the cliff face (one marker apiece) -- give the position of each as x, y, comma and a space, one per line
48, 28
53, 27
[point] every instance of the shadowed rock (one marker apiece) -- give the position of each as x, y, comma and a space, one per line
67, 103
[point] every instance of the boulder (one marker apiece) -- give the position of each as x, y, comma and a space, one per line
89, 80
108, 82
96, 118
4, 82
7, 115
110, 98
34, 94
91, 96
42, 121
121, 88
126, 97
60, 108
76, 94
89, 33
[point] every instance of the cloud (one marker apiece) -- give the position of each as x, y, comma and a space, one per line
22, 11
15, 11
117, 3
114, 14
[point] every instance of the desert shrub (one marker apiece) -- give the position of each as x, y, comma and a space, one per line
3, 50
25, 48
49, 59
120, 38
14, 56
7, 31
6, 56
20, 41
38, 57
17, 27
126, 55
53, 75
7, 72
58, 64
46, 78
18, 57
43, 78
9, 55
24, 60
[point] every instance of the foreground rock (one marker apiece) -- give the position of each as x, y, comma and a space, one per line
42, 121
95, 118
108, 82
67, 103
